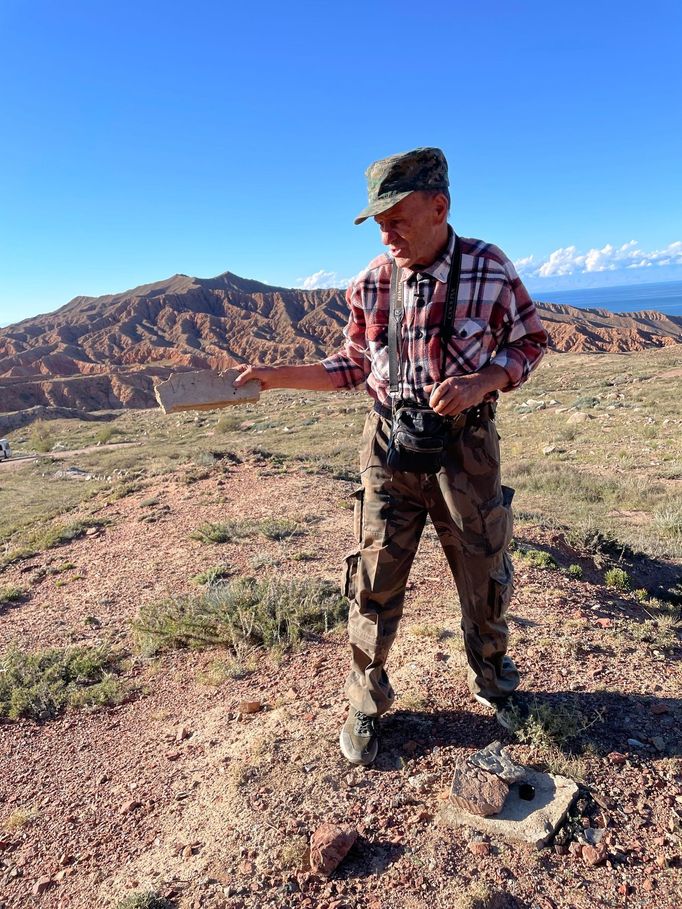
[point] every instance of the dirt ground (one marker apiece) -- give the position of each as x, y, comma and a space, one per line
177, 792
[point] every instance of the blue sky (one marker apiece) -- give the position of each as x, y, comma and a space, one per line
147, 138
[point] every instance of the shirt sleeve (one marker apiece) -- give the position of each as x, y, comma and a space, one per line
524, 339
350, 366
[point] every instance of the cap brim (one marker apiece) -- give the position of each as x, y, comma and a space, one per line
382, 204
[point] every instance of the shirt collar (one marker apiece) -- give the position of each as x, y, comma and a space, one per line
440, 269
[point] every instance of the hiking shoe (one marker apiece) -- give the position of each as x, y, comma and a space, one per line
511, 711
359, 739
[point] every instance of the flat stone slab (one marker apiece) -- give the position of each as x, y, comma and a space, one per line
204, 389
522, 820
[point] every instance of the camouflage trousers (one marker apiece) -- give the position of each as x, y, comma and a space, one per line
472, 516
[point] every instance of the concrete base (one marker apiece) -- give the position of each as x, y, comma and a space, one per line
521, 820
204, 390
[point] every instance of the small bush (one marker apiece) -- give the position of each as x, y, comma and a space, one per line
212, 575
575, 571
242, 613
224, 532
148, 900
41, 438
279, 528
539, 559
11, 594
230, 421
106, 433
668, 522
39, 685
549, 726
617, 578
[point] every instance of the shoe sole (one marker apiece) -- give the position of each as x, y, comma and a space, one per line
355, 757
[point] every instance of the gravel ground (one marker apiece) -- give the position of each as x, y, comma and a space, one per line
179, 792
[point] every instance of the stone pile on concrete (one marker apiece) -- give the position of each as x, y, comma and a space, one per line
493, 795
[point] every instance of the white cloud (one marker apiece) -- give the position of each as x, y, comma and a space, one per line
568, 260
322, 279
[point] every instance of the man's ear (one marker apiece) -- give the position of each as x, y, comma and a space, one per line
440, 208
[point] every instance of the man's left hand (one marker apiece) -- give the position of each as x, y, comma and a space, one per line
452, 396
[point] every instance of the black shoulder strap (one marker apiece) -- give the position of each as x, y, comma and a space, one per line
450, 303
395, 318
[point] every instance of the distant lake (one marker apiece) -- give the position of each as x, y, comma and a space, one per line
665, 297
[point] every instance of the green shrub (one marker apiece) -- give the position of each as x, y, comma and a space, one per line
39, 685
617, 578
106, 433
539, 559
668, 522
279, 528
242, 613
11, 594
148, 900
549, 726
212, 575
41, 438
223, 532
575, 571
229, 421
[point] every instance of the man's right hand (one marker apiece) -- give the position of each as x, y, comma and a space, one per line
313, 377
266, 375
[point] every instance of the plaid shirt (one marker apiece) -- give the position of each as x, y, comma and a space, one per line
495, 322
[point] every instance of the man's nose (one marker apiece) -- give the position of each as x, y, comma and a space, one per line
388, 236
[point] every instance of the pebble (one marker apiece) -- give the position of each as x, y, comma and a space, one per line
41, 885
479, 847
131, 805
635, 743
658, 743
615, 757
250, 707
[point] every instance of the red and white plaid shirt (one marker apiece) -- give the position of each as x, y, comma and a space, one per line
495, 322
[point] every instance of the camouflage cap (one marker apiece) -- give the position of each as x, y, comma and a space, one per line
391, 179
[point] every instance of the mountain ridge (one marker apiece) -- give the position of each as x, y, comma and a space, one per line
101, 352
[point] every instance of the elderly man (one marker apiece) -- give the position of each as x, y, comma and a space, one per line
437, 328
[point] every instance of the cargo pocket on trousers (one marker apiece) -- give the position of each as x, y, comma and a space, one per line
496, 519
350, 574
501, 586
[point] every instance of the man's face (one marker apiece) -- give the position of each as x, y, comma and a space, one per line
413, 229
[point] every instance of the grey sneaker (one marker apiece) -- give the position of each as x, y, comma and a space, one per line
359, 739
511, 712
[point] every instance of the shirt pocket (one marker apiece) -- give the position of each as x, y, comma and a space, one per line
469, 345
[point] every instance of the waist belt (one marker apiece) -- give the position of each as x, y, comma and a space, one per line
470, 417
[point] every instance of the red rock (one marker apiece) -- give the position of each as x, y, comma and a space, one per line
659, 708
182, 733
129, 806
329, 845
250, 707
477, 791
479, 847
615, 757
41, 885
245, 867
649, 885
624, 889
594, 855
575, 849
603, 623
